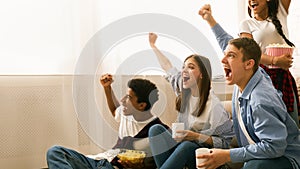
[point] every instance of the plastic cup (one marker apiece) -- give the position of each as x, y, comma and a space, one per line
176, 127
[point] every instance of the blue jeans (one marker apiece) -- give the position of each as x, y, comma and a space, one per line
167, 153
63, 158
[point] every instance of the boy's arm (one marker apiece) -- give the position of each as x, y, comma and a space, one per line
106, 80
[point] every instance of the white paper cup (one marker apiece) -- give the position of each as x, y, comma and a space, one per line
198, 152
176, 127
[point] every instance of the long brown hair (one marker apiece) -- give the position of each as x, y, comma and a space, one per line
272, 13
204, 86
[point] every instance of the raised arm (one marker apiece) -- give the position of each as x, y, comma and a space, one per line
162, 59
221, 35
206, 14
106, 80
286, 4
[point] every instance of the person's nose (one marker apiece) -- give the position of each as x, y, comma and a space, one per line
224, 60
122, 99
184, 70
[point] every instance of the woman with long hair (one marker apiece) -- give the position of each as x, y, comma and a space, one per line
206, 122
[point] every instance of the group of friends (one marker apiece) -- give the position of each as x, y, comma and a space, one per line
265, 104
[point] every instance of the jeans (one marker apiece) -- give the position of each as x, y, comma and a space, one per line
63, 158
167, 153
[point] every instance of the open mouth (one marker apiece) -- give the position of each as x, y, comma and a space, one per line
185, 79
227, 72
253, 4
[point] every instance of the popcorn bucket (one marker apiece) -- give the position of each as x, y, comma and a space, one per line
277, 51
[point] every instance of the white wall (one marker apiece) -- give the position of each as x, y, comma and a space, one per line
47, 37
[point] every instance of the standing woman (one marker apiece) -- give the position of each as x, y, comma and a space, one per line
267, 25
207, 124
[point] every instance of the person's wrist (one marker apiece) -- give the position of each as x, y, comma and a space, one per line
274, 60
212, 22
107, 88
227, 152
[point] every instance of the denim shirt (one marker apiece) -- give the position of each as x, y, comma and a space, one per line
267, 122
222, 36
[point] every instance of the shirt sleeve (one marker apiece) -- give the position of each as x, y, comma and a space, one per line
222, 126
271, 144
174, 78
118, 114
244, 27
221, 35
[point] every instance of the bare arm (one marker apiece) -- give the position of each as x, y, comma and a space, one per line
286, 4
106, 80
206, 14
162, 59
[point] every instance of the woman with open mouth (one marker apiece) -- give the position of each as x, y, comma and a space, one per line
206, 122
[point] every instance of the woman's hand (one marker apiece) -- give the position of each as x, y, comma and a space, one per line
186, 135
152, 39
284, 61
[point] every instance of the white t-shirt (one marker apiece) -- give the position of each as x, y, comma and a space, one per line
264, 32
128, 125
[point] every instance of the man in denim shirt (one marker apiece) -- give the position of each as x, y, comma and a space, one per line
267, 136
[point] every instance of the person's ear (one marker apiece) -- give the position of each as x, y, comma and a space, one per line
142, 106
249, 64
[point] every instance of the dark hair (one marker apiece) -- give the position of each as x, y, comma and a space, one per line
144, 90
204, 85
249, 48
272, 13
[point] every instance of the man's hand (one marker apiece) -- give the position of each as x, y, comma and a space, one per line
106, 80
206, 14
216, 158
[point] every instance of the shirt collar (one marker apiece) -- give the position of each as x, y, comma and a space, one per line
255, 79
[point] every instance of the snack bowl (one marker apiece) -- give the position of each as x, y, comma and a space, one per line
277, 50
133, 156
